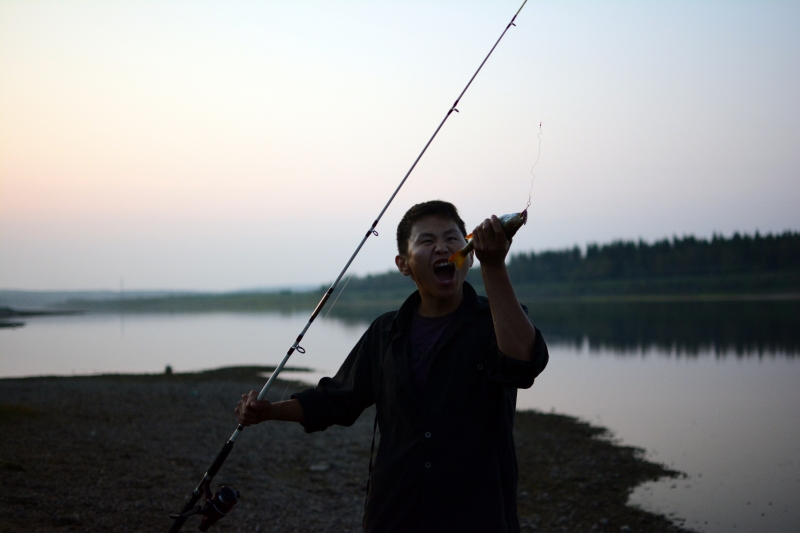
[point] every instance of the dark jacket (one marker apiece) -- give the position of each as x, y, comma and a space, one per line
446, 460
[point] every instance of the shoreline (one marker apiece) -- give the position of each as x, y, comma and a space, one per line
119, 452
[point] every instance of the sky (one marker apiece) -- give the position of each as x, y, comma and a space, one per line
230, 145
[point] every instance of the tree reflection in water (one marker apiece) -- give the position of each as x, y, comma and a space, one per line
682, 328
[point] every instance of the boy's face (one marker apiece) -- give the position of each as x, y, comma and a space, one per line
433, 240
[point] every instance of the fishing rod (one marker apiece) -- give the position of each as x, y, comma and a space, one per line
217, 506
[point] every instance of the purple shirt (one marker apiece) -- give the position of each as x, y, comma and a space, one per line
425, 333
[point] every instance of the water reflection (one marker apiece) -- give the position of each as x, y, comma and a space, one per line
684, 329
689, 328
731, 425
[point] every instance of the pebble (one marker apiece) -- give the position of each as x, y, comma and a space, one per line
320, 467
168, 429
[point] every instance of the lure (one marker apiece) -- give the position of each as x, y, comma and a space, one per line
511, 223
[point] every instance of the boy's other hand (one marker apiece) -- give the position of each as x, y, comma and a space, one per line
250, 410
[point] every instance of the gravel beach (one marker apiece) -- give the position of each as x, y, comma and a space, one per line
120, 452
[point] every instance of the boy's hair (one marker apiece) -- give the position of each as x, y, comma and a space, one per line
425, 209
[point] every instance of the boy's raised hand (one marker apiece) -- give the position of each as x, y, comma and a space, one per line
491, 243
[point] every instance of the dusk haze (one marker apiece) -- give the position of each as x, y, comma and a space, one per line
216, 146
382, 267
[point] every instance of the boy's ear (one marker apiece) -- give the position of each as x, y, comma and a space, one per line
471, 257
402, 265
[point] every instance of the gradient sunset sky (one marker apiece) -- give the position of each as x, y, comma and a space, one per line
227, 145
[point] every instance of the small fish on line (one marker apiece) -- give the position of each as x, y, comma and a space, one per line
511, 223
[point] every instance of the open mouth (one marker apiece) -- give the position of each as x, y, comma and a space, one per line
445, 272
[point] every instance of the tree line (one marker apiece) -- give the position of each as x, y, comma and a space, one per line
740, 264
686, 256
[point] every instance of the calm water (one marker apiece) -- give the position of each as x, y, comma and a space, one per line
721, 407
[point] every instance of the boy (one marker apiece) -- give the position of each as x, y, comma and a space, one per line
443, 371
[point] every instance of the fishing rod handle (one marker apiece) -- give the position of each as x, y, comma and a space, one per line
207, 477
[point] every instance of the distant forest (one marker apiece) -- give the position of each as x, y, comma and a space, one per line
687, 268
687, 256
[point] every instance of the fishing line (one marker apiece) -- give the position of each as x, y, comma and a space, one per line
283, 396
545, 101
337, 297
205, 481
285, 390
538, 153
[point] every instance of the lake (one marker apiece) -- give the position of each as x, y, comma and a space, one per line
711, 390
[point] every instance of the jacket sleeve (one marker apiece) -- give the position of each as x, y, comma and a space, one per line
510, 372
342, 398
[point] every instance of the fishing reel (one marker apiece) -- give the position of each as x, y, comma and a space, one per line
216, 507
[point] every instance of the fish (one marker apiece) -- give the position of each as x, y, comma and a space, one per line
511, 223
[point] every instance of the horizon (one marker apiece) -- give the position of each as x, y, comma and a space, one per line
307, 287
217, 146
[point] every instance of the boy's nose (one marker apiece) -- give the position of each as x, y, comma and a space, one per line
441, 246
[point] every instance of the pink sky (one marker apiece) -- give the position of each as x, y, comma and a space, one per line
222, 145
